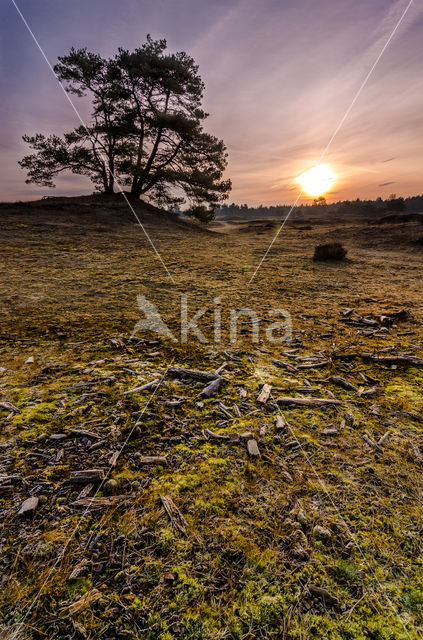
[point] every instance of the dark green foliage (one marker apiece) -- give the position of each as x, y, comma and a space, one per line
202, 213
332, 251
145, 132
395, 204
367, 209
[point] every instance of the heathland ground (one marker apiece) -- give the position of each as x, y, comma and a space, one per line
193, 535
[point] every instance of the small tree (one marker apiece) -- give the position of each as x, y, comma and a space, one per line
202, 213
320, 201
395, 204
146, 128
331, 251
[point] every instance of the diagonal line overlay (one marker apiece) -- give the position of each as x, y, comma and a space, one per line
341, 122
78, 115
14, 635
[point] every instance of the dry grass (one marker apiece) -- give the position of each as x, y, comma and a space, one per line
237, 573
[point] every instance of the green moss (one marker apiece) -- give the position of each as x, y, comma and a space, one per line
406, 393
347, 571
40, 413
78, 587
412, 599
187, 585
167, 539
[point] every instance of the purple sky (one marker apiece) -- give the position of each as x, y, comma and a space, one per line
279, 77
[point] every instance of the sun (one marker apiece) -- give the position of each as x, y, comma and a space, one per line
317, 180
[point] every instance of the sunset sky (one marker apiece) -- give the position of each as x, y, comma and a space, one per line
279, 77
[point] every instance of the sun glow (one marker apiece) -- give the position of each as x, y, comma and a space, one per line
317, 180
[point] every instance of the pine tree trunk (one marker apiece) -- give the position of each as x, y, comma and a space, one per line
136, 191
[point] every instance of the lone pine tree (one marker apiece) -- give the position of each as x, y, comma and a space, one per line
145, 130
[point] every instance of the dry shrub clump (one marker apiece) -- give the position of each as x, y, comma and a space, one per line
333, 251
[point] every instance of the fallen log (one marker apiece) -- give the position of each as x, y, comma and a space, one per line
85, 491
415, 453
367, 392
330, 432
145, 387
225, 411
388, 360
13, 479
384, 438
410, 415
413, 361
342, 382
212, 388
5, 489
308, 402
314, 365
285, 365
86, 476
203, 376
114, 458
215, 436
152, 460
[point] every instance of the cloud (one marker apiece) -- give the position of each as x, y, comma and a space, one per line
279, 78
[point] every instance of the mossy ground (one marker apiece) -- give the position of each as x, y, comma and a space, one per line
250, 552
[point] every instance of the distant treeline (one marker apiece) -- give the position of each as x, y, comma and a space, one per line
365, 208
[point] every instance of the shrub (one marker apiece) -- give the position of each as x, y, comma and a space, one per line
201, 212
333, 251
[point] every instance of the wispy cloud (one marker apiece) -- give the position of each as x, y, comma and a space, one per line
279, 76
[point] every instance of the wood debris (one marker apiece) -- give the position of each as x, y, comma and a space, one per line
95, 503
323, 594
84, 602
175, 516
215, 436
342, 382
147, 460
415, 453
202, 376
28, 507
145, 387
86, 476
252, 448
212, 388
83, 433
78, 569
264, 394
285, 365
308, 402
280, 423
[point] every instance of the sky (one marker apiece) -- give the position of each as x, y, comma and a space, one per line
280, 76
